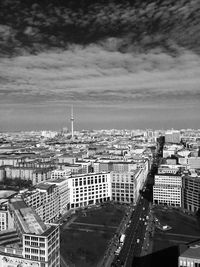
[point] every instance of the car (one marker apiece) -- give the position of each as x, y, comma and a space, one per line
138, 241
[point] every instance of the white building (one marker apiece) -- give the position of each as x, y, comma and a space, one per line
87, 189
168, 189
172, 136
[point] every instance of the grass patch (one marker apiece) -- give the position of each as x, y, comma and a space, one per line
86, 248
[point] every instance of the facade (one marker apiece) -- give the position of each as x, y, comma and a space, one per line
64, 194
190, 162
126, 186
59, 174
36, 175
123, 187
45, 200
39, 243
191, 193
87, 189
172, 137
6, 222
115, 166
167, 190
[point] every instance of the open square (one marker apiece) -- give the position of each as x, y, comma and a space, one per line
84, 241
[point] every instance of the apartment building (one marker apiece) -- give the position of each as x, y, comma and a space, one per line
39, 243
87, 189
167, 189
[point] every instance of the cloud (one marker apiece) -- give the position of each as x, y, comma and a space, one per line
93, 73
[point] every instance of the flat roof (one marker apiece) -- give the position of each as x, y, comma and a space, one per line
192, 252
30, 222
44, 186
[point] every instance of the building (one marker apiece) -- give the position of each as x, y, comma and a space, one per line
59, 174
45, 200
35, 175
87, 189
166, 168
6, 222
191, 256
167, 189
190, 162
172, 136
63, 192
115, 166
39, 243
191, 192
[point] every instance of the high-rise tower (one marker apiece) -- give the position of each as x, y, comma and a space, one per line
72, 123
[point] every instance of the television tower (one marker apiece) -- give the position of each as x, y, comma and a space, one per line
72, 122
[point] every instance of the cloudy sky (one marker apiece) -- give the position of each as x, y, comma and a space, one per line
108, 89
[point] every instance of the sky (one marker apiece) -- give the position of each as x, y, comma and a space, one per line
108, 89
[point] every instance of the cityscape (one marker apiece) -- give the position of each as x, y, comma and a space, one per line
99, 133
124, 190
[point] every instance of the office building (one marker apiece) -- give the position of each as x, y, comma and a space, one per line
167, 189
87, 189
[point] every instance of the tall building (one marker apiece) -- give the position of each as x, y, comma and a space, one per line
126, 186
72, 122
167, 189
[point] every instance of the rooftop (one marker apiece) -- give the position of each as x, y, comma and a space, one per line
192, 252
27, 217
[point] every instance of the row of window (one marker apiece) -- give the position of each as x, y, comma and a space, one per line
89, 180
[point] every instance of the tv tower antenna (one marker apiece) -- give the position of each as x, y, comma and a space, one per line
72, 122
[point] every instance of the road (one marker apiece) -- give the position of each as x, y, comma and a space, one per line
135, 233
